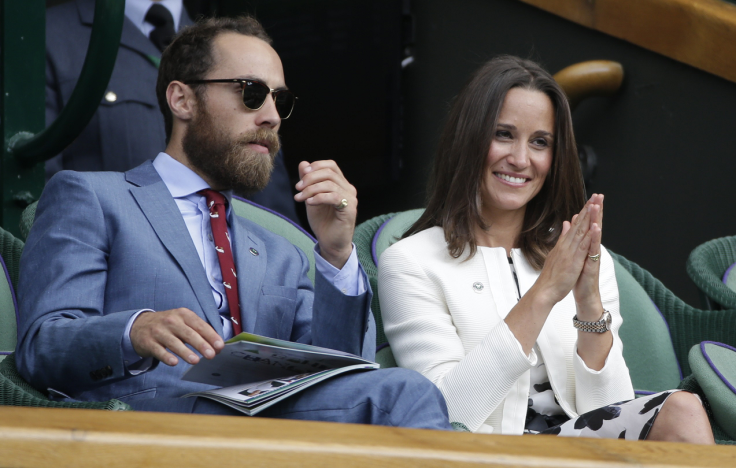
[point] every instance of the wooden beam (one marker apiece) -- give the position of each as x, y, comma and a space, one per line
700, 33
39, 437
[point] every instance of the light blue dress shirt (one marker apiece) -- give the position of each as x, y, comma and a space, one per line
183, 184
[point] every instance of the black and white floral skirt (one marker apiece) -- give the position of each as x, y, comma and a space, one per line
631, 420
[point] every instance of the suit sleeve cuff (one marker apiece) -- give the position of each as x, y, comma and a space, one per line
134, 364
350, 280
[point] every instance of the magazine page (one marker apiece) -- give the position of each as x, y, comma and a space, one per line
255, 397
253, 393
253, 338
252, 358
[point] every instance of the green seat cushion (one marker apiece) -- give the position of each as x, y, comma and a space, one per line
385, 357
729, 278
714, 367
278, 224
8, 314
392, 230
648, 348
26, 219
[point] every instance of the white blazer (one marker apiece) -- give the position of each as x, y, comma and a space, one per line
444, 317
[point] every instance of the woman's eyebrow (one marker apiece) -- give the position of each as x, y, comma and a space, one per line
507, 126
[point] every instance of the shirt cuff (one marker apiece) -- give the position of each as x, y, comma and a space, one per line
134, 364
350, 279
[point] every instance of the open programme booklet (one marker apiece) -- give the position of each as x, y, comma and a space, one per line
256, 371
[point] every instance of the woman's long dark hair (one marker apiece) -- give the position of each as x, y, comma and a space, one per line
457, 173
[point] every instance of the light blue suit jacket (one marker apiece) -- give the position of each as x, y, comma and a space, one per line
105, 245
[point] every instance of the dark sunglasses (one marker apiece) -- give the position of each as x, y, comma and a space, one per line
255, 94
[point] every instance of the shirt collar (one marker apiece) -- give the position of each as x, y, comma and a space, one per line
182, 181
136, 11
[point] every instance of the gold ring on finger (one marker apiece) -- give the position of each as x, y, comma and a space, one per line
343, 204
595, 257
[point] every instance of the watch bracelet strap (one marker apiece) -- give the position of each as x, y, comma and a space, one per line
591, 327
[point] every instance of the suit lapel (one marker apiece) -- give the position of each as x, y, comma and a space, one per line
158, 206
250, 257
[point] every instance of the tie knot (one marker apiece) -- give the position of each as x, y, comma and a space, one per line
213, 197
158, 15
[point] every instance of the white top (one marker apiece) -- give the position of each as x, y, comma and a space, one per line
444, 317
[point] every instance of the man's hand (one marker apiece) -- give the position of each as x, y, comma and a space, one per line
323, 188
153, 333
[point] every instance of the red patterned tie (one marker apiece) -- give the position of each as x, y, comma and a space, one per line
218, 220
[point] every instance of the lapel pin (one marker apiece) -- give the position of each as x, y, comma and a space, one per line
254, 252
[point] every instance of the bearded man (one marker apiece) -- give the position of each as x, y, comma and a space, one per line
124, 271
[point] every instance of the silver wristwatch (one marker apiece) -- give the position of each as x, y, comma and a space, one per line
601, 326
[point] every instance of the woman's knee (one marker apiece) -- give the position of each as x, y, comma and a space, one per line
684, 405
682, 419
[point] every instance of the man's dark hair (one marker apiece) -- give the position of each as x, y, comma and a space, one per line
190, 57
457, 173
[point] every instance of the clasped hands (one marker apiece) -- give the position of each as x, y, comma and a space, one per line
569, 266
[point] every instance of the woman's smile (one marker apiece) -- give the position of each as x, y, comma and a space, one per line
511, 179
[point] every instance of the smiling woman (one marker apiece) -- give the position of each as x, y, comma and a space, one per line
502, 294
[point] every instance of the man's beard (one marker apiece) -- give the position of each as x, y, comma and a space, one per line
229, 163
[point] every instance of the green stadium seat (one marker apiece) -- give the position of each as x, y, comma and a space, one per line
709, 266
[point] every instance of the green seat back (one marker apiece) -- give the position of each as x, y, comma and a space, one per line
26, 219
279, 225
10, 251
392, 230
714, 367
8, 314
706, 266
729, 278
648, 348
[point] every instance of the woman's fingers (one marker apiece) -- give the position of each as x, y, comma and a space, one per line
595, 244
565, 228
597, 200
578, 228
